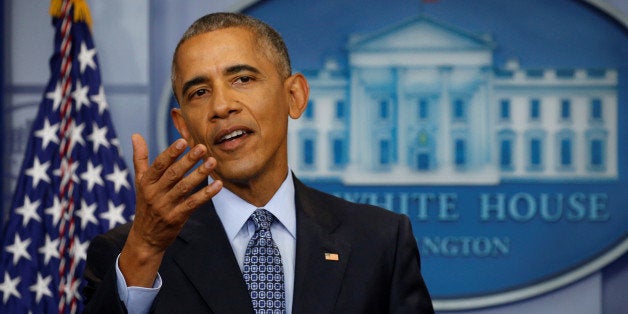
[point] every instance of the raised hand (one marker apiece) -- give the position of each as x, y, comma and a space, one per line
163, 205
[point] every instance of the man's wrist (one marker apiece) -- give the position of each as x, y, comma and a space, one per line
139, 266
136, 299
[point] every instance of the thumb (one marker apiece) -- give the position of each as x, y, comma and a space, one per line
140, 155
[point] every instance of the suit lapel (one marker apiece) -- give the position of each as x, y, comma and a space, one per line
318, 277
207, 260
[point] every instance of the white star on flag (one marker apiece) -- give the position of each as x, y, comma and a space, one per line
77, 135
114, 214
86, 57
100, 100
19, 249
92, 176
86, 213
39, 172
28, 211
50, 249
48, 134
79, 249
80, 96
118, 178
54, 211
98, 137
55, 96
9, 287
41, 287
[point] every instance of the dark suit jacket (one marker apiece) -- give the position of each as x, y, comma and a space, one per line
378, 270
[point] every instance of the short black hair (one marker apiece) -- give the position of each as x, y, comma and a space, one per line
267, 37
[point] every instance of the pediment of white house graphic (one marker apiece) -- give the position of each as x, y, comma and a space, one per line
420, 41
422, 103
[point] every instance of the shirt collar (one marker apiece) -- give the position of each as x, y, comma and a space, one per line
233, 211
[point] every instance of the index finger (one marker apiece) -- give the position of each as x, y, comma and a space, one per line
164, 160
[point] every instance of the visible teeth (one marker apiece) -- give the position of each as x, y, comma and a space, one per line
232, 135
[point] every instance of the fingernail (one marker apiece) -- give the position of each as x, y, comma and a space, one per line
207, 164
197, 151
180, 144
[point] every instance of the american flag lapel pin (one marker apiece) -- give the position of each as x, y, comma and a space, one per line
331, 256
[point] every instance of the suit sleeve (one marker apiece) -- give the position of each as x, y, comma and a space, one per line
100, 294
408, 293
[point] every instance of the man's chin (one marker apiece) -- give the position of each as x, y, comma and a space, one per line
235, 173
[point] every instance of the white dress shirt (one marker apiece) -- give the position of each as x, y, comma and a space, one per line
234, 214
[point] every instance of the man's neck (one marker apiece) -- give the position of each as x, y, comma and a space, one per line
259, 190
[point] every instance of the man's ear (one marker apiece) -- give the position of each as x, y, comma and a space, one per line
179, 123
299, 93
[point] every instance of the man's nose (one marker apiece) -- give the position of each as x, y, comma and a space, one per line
224, 103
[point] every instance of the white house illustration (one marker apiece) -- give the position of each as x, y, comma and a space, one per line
421, 102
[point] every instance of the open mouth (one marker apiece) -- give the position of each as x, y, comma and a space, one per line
232, 136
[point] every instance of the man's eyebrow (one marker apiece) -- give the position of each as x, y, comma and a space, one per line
228, 71
240, 68
194, 81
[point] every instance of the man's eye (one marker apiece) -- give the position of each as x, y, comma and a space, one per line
245, 79
199, 93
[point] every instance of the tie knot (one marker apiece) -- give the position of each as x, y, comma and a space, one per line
262, 219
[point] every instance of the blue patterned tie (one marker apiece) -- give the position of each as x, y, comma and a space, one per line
263, 271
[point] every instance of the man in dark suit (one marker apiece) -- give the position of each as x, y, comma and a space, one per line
195, 251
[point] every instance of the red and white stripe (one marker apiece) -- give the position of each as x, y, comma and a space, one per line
67, 267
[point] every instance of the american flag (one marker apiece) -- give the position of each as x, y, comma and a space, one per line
73, 183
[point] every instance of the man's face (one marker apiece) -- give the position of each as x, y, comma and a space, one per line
234, 102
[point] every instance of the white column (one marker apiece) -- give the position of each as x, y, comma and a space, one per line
403, 113
444, 149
